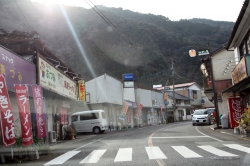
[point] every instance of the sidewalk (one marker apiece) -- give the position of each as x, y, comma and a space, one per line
228, 131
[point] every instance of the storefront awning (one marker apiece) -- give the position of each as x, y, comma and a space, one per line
244, 84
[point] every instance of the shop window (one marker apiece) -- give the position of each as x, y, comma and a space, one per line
188, 112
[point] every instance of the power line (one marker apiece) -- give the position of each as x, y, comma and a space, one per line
23, 16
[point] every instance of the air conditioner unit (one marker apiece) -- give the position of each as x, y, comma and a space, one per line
52, 136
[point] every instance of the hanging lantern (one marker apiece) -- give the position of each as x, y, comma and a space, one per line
209, 83
192, 53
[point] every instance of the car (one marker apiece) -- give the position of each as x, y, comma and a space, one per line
201, 116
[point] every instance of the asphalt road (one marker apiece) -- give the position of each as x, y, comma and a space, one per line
174, 144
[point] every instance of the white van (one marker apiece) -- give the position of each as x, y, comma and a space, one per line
89, 121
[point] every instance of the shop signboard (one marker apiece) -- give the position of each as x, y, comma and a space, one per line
128, 77
239, 72
53, 79
24, 113
16, 69
235, 111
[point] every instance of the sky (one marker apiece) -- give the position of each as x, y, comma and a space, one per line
218, 10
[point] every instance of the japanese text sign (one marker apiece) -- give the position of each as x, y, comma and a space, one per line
38, 103
6, 115
24, 113
15, 69
82, 92
53, 79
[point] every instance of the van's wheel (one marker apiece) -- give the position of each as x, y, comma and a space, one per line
96, 130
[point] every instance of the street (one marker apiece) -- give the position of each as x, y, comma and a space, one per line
168, 144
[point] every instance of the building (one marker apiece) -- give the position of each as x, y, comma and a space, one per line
239, 44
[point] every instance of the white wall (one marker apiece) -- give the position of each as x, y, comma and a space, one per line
144, 97
105, 89
220, 60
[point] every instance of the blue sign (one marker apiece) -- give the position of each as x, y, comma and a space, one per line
128, 77
131, 104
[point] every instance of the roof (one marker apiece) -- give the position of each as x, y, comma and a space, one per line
182, 85
237, 24
177, 96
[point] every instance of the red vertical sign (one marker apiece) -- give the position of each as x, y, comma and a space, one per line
235, 111
38, 103
6, 115
24, 113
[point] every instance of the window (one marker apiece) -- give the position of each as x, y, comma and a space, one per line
74, 118
187, 101
178, 101
188, 112
194, 94
89, 116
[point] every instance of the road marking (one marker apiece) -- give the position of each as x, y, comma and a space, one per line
185, 152
238, 147
182, 137
216, 151
61, 159
93, 157
155, 153
207, 135
93, 142
124, 154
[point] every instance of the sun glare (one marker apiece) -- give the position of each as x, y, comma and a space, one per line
63, 2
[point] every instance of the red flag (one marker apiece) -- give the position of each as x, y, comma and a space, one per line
6, 115
24, 113
38, 103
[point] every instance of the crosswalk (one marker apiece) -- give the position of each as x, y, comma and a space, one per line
153, 152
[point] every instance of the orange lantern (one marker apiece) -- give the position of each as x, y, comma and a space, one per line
192, 53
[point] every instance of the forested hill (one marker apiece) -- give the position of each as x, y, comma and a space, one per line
144, 46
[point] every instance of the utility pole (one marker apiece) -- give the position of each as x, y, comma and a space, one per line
174, 102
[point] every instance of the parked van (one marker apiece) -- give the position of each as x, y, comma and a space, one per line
89, 121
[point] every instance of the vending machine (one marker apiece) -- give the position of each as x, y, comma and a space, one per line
235, 110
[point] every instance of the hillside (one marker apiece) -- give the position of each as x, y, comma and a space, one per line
151, 40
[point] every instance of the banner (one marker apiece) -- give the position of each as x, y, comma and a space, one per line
6, 115
235, 111
138, 111
63, 117
38, 103
124, 111
81, 89
24, 113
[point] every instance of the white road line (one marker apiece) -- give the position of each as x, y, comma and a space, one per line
61, 159
185, 152
207, 135
182, 137
124, 154
238, 147
93, 142
216, 151
155, 152
93, 157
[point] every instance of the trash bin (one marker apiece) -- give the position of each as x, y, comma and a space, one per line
224, 121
